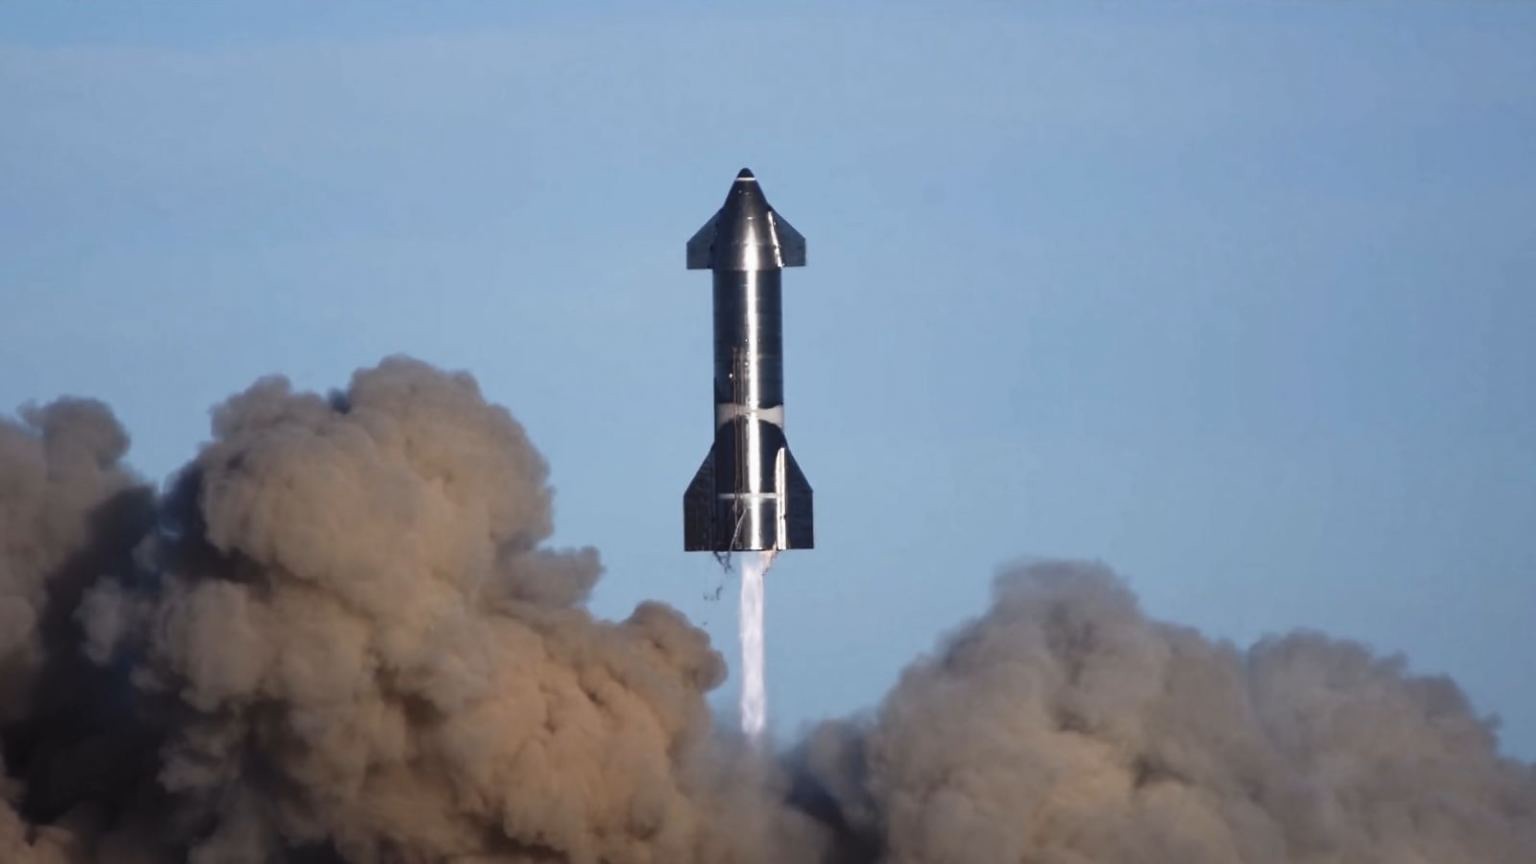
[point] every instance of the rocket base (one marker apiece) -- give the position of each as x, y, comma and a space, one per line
733, 520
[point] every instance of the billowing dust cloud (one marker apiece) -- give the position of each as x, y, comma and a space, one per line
336, 637
1064, 727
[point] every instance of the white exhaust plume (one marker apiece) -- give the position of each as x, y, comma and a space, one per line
338, 638
754, 691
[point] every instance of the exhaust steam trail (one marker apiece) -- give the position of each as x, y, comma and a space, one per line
754, 694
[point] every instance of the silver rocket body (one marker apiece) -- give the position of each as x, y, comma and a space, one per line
749, 494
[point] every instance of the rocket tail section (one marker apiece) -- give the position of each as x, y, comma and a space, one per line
720, 516
699, 508
798, 526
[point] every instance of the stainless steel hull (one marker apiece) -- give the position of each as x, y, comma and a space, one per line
749, 494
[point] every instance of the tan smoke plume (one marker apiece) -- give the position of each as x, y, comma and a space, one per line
337, 637
69, 514
60, 469
1064, 727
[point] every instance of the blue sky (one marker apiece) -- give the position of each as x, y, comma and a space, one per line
1238, 298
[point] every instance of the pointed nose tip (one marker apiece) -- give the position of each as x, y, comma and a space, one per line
746, 234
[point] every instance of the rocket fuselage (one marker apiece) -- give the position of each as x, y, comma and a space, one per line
749, 493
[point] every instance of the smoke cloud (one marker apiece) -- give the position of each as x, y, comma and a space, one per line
1064, 727
338, 636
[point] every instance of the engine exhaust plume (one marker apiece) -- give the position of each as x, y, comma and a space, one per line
754, 691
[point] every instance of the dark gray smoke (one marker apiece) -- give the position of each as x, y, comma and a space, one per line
337, 638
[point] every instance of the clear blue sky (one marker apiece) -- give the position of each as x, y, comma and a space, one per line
1238, 298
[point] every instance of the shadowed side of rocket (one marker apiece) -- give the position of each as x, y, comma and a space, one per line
749, 494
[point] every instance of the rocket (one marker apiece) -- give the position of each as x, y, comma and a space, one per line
749, 494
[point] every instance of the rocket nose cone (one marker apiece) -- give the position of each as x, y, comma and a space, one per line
744, 211
746, 233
